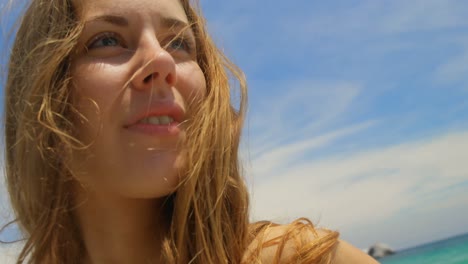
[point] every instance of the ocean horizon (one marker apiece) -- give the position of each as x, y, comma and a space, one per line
452, 250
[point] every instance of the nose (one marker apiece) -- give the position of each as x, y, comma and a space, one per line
157, 70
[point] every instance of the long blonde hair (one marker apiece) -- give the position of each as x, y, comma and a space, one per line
210, 210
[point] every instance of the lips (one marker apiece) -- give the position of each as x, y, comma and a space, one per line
157, 118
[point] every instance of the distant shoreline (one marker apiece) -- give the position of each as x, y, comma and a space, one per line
399, 250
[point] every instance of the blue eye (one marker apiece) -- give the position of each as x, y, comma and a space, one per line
106, 40
180, 44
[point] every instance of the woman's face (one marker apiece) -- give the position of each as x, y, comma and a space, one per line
134, 76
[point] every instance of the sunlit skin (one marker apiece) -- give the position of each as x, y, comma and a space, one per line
129, 163
135, 59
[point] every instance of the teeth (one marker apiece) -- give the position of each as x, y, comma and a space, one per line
164, 120
157, 120
153, 120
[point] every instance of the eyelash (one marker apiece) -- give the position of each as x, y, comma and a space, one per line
183, 42
103, 36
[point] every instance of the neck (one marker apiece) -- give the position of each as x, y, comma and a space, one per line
121, 230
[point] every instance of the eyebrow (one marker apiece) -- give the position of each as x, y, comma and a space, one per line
112, 19
170, 22
121, 21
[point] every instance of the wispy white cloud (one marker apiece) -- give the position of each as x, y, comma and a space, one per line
275, 160
301, 108
399, 52
366, 187
454, 70
241, 23
424, 15
387, 17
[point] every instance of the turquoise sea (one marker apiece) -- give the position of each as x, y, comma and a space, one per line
448, 251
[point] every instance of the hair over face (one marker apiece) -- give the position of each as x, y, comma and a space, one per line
209, 212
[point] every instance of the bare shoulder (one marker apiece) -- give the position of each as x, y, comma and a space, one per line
265, 247
283, 244
347, 253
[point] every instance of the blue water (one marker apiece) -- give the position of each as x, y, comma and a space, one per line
449, 251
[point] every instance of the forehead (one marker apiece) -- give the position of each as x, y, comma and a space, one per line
142, 9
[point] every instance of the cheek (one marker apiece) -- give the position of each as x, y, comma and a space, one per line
96, 87
94, 93
97, 83
191, 82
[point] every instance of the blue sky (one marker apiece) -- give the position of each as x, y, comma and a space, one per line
358, 114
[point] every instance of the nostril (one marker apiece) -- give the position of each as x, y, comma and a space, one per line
170, 79
150, 77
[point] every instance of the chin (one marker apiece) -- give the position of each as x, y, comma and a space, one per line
152, 189
130, 176
154, 181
